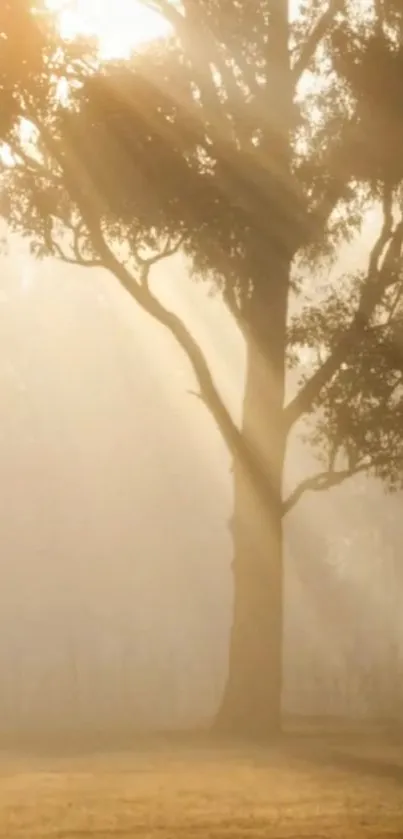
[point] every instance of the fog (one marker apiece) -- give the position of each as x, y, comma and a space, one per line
116, 499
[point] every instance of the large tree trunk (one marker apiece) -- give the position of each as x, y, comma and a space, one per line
251, 705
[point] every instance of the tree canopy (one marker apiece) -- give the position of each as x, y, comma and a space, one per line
124, 163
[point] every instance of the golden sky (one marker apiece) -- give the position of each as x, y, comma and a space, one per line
119, 24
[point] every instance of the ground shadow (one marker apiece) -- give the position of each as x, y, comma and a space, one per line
384, 760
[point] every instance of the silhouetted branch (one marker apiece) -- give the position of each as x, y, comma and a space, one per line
202, 53
170, 248
149, 303
379, 279
140, 292
232, 303
166, 9
72, 257
313, 40
81, 262
321, 481
206, 54
395, 303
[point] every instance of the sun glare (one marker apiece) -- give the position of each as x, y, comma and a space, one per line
119, 24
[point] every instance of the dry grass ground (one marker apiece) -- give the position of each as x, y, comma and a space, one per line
320, 790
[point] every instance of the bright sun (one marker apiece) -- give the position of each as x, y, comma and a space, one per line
119, 24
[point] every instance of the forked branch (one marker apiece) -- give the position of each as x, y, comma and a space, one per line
381, 276
319, 482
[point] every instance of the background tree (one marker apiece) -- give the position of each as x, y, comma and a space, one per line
242, 139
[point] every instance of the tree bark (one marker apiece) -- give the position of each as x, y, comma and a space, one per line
251, 705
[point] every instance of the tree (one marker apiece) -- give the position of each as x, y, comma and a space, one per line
213, 142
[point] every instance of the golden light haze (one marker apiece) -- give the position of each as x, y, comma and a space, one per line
119, 24
120, 504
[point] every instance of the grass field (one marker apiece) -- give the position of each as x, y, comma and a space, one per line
161, 791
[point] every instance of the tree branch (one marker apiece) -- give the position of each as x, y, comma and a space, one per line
152, 306
237, 444
75, 257
321, 481
170, 249
313, 40
202, 53
87, 205
379, 279
59, 253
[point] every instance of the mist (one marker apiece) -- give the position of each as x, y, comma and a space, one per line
116, 590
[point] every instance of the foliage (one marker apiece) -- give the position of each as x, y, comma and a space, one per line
360, 410
210, 142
